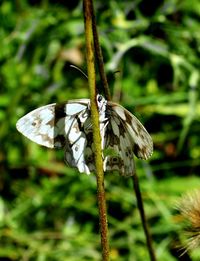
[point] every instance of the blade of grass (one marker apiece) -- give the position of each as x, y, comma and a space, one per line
192, 113
143, 217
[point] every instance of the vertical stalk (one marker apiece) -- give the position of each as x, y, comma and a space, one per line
99, 58
143, 218
88, 8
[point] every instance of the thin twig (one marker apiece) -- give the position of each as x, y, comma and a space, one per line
99, 57
87, 8
143, 217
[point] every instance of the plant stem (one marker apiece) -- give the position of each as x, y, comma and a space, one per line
99, 57
143, 217
87, 8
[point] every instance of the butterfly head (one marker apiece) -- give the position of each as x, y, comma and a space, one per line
101, 102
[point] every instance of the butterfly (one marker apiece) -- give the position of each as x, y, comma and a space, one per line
69, 126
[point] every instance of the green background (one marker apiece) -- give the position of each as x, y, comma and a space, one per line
151, 49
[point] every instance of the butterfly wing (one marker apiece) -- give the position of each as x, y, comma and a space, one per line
117, 147
142, 141
65, 126
79, 152
50, 125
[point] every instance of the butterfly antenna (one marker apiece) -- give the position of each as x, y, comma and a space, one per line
77, 68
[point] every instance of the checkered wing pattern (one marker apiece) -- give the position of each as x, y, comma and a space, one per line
69, 126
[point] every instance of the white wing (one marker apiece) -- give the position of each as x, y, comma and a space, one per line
142, 141
118, 147
49, 125
79, 151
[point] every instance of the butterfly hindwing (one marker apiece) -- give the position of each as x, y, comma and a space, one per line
79, 148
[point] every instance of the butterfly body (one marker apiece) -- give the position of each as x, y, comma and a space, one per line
69, 126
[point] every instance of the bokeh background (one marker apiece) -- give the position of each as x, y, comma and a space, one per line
151, 49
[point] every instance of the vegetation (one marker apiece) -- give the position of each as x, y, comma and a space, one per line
48, 211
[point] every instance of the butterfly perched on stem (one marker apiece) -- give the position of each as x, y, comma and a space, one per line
69, 126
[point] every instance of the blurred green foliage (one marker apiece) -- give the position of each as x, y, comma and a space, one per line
49, 211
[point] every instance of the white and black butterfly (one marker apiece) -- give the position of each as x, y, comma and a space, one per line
69, 126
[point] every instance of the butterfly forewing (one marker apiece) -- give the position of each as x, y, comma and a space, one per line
117, 147
142, 141
49, 125
38, 125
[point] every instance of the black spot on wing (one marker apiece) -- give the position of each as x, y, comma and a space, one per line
60, 111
